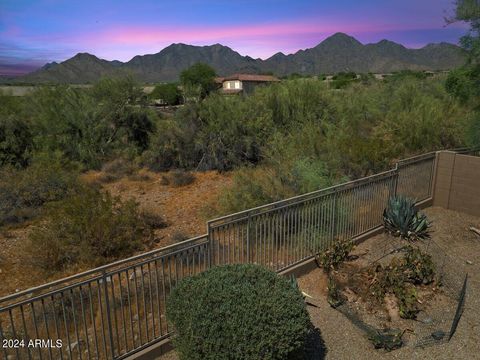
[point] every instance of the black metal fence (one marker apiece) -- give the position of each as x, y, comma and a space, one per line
116, 310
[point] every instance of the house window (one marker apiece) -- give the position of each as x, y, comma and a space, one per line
231, 85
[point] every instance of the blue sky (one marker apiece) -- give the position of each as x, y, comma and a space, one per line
35, 32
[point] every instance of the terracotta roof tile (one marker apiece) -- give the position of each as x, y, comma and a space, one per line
251, 77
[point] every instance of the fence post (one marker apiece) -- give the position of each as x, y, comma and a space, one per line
108, 313
210, 246
335, 211
248, 239
395, 180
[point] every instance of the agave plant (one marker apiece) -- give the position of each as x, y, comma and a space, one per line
401, 218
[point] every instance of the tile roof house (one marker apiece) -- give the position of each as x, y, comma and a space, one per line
243, 83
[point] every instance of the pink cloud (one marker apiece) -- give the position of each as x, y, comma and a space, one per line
121, 42
149, 35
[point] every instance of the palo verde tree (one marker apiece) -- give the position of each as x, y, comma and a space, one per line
199, 76
167, 93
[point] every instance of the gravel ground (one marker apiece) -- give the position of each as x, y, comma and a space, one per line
342, 340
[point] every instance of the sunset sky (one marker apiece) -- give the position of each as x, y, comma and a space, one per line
33, 33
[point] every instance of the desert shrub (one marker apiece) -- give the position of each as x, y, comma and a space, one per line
334, 296
24, 192
117, 169
232, 131
261, 185
418, 266
335, 255
342, 80
219, 303
174, 142
91, 126
401, 218
407, 301
391, 279
66, 120
153, 220
295, 102
388, 339
16, 141
179, 236
89, 228
400, 277
181, 178
218, 133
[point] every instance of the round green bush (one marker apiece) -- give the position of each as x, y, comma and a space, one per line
237, 312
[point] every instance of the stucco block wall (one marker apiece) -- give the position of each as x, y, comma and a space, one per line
457, 182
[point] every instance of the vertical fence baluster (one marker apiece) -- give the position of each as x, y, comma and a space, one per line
108, 314
5, 354
25, 331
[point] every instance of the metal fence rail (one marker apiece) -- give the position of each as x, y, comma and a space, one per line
282, 234
116, 310
415, 176
106, 313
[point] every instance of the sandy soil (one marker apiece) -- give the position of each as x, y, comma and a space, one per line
183, 209
342, 340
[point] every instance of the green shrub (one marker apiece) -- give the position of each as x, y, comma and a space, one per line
201, 75
16, 141
401, 276
93, 125
418, 266
237, 311
401, 218
334, 297
392, 279
90, 228
407, 301
335, 255
169, 94
24, 192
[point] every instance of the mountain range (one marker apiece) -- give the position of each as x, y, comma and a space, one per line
339, 52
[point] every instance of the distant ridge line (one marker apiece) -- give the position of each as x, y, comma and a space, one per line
339, 52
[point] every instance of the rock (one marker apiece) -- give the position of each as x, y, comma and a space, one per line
469, 262
438, 335
427, 321
391, 304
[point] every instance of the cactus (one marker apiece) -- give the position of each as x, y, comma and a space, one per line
401, 218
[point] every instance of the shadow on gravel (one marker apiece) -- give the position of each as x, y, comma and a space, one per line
315, 348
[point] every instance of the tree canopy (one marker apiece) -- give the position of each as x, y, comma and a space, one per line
199, 75
168, 93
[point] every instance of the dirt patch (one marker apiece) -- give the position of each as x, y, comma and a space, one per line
182, 208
